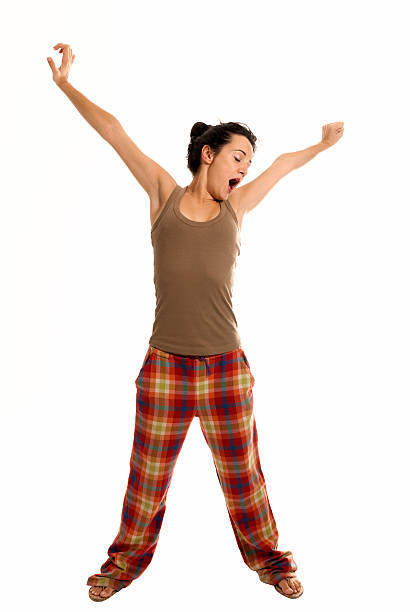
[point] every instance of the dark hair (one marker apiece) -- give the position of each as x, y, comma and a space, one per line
216, 136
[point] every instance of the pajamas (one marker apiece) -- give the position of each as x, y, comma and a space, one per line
171, 391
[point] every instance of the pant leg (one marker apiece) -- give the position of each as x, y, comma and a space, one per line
161, 425
228, 425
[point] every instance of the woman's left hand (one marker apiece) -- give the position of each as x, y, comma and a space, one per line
332, 132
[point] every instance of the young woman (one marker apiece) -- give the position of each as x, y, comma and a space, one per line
195, 364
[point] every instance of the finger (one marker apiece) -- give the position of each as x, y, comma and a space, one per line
51, 64
62, 47
66, 57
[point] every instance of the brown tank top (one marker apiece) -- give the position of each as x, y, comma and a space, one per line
194, 263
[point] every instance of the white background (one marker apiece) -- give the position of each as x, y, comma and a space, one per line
321, 296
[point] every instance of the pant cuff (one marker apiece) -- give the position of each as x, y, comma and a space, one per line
274, 574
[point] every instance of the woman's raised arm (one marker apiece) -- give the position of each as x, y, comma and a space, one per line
147, 172
97, 117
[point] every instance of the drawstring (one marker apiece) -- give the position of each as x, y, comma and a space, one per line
206, 363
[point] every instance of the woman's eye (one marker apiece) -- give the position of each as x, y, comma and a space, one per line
237, 159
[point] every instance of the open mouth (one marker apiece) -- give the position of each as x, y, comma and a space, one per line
232, 184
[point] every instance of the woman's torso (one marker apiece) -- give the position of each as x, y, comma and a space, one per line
194, 263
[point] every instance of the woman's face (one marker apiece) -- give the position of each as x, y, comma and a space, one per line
232, 162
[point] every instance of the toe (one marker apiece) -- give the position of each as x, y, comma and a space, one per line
95, 590
284, 585
106, 592
296, 585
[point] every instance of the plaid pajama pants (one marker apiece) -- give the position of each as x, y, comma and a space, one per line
171, 390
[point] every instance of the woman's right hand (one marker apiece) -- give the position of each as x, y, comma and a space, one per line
60, 75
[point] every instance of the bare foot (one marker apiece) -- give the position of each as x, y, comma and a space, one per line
102, 591
290, 584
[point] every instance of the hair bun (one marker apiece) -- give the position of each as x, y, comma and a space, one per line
198, 129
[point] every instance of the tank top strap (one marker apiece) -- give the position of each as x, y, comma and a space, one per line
228, 205
166, 206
